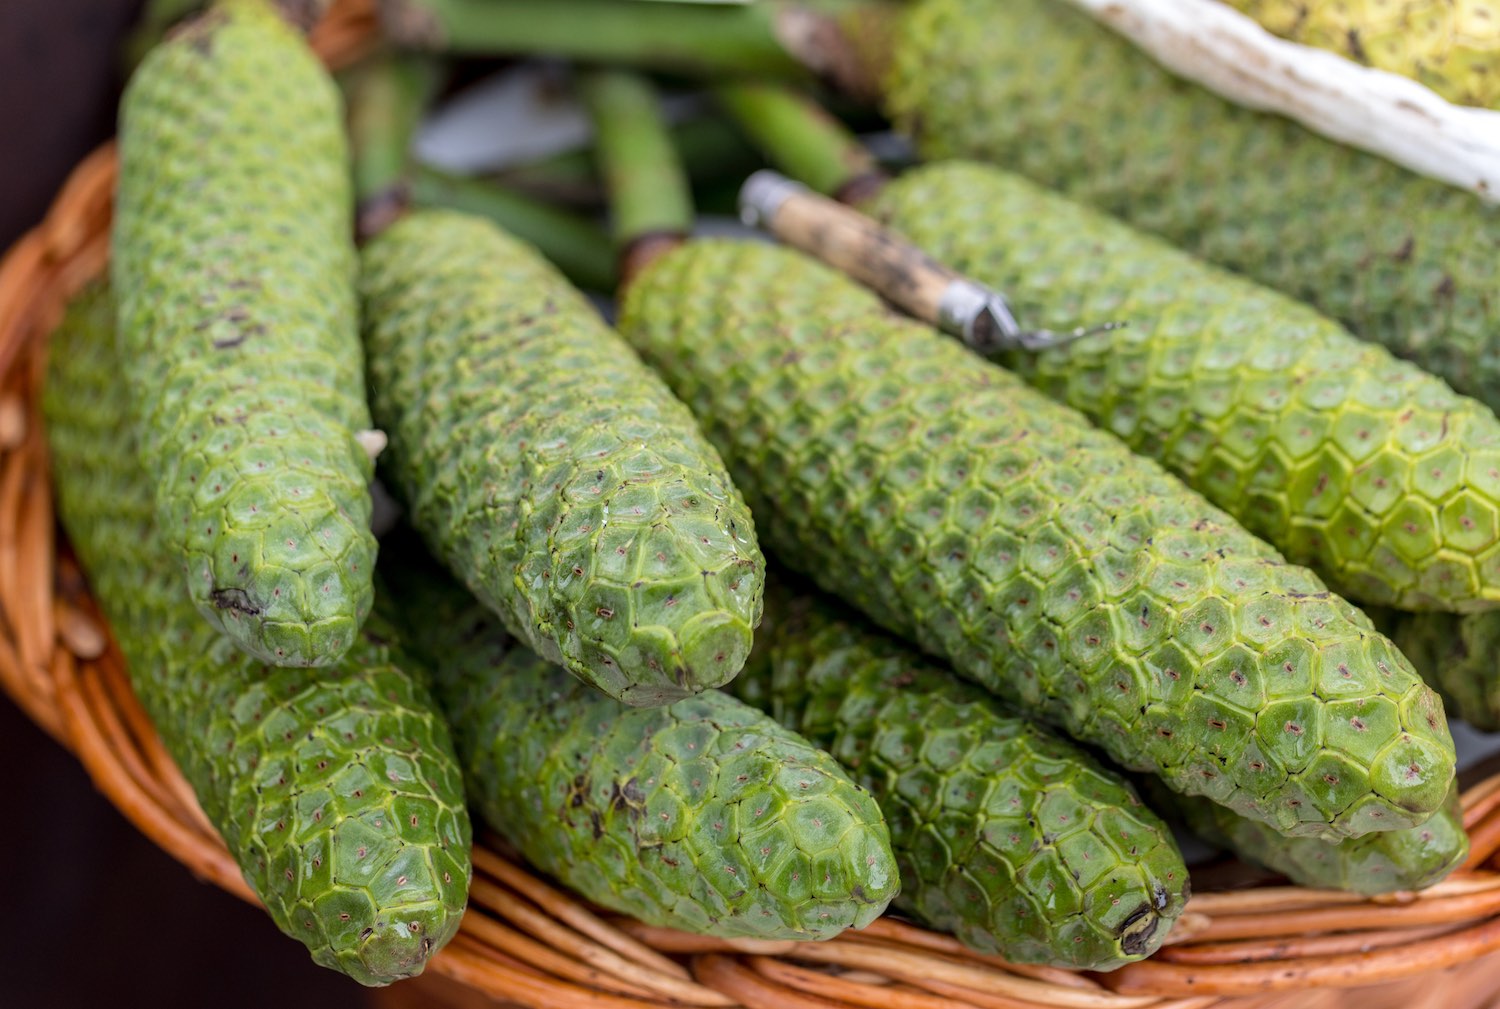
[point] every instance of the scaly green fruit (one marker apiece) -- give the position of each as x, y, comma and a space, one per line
704, 815
1452, 46
1410, 859
234, 263
1015, 841
1459, 656
1000, 530
336, 790
1046, 91
1346, 459
551, 469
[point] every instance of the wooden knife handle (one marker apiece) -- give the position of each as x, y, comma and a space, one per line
850, 242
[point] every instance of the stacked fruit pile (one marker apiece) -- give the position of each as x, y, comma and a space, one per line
1006, 598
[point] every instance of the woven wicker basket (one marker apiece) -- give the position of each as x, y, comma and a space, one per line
526, 942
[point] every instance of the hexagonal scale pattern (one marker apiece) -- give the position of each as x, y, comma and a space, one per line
1049, 93
233, 256
337, 790
704, 815
1000, 530
1383, 862
979, 800
1348, 460
550, 469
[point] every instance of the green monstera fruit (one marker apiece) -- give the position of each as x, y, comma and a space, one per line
550, 469
1017, 842
703, 815
1001, 531
233, 261
1346, 459
1046, 91
337, 790
1385, 862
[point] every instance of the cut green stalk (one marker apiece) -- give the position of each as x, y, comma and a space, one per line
386, 97
710, 149
811, 145
642, 172
792, 131
697, 40
579, 247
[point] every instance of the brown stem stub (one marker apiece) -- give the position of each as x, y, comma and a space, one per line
861, 188
303, 14
820, 43
644, 250
411, 24
379, 211
197, 30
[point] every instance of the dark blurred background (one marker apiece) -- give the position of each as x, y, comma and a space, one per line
98, 915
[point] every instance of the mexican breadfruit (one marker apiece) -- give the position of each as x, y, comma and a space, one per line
1046, 91
1346, 459
703, 815
336, 790
1391, 860
999, 530
550, 469
233, 259
1017, 842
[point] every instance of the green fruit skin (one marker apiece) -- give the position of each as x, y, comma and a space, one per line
1048, 92
1392, 860
234, 263
1018, 843
552, 470
1345, 458
336, 790
703, 815
1459, 656
1001, 531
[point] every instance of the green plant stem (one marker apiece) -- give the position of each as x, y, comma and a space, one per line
687, 38
647, 187
386, 97
800, 136
579, 247
710, 149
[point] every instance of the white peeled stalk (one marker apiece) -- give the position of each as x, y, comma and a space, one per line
1227, 52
